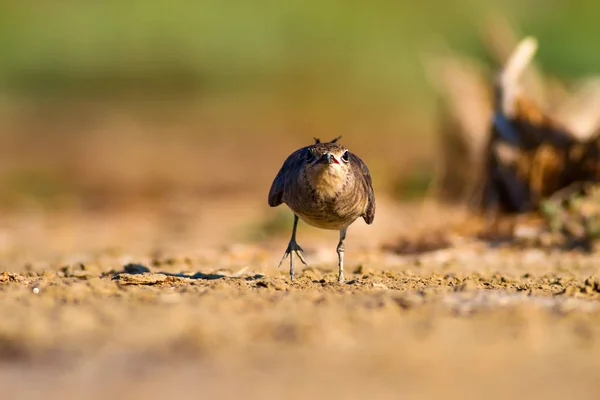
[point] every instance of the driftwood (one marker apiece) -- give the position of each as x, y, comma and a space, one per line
519, 149
530, 155
500, 152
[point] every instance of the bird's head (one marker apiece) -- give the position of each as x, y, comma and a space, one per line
327, 164
327, 155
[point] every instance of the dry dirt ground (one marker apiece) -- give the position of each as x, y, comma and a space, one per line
183, 302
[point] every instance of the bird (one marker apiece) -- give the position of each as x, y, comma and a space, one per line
326, 186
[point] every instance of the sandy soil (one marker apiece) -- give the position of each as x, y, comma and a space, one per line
181, 302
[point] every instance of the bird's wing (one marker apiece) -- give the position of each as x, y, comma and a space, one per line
362, 171
290, 167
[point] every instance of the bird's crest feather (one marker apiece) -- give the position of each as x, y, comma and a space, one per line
334, 140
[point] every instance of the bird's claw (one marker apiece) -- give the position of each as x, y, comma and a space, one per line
295, 248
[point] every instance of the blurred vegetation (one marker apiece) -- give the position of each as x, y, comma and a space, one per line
110, 47
573, 215
317, 68
277, 223
414, 184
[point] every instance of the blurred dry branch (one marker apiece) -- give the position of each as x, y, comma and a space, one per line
515, 146
530, 155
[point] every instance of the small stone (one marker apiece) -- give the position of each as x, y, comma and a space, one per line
262, 284
136, 269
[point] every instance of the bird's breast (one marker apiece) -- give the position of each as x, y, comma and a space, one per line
329, 200
327, 182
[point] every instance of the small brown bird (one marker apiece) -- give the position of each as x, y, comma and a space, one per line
327, 187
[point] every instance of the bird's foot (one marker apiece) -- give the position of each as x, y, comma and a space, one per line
294, 248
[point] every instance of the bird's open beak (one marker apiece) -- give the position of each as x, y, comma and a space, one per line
328, 158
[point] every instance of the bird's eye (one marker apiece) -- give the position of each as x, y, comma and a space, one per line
346, 156
309, 155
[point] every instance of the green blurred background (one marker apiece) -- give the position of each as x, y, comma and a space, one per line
109, 102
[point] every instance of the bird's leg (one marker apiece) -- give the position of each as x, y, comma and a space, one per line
340, 251
293, 247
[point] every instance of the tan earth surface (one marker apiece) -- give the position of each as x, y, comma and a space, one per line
212, 316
